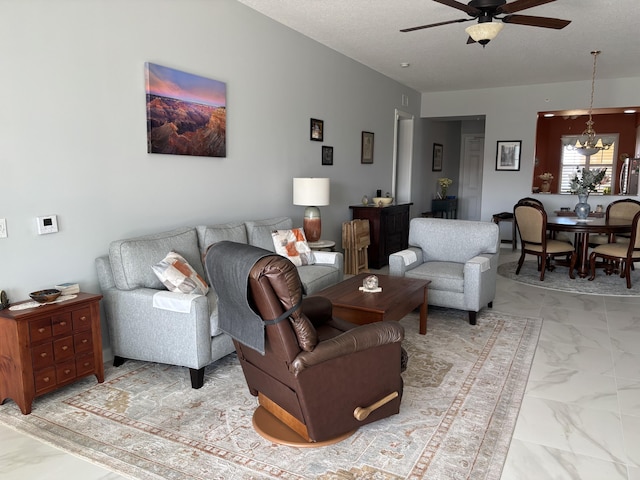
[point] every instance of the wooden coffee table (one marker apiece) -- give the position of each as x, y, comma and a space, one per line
399, 297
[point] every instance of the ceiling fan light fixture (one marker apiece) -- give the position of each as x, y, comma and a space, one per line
483, 33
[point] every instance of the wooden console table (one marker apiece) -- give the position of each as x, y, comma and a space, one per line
49, 346
446, 208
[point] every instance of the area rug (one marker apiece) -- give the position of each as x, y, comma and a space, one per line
558, 279
463, 389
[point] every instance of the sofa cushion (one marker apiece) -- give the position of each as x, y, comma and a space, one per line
210, 234
131, 259
259, 231
178, 276
318, 277
447, 276
293, 245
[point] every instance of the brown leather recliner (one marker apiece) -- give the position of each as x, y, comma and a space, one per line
318, 373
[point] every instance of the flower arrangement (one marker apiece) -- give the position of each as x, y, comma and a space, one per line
444, 183
588, 180
546, 177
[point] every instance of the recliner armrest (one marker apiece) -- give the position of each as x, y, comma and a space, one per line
362, 338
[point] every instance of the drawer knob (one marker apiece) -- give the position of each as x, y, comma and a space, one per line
63, 323
86, 364
46, 379
65, 348
43, 354
85, 340
83, 318
41, 330
66, 372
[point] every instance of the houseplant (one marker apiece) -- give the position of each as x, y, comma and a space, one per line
583, 185
546, 181
444, 184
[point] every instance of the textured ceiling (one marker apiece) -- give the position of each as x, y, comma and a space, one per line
441, 60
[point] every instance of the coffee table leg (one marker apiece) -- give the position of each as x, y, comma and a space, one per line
423, 314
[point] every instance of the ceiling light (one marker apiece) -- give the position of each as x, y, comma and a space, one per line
484, 32
589, 143
404, 64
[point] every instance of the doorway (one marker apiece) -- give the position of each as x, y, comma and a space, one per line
402, 157
471, 165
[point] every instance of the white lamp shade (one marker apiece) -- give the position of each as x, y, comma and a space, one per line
311, 191
484, 31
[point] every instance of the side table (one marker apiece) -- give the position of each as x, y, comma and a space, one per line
46, 347
322, 245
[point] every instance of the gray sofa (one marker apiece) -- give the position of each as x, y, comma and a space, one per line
141, 331
460, 257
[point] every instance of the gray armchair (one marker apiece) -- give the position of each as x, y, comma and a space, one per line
460, 257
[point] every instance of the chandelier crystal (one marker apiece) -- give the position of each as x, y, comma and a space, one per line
589, 143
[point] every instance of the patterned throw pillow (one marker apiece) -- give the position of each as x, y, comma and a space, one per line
293, 245
178, 276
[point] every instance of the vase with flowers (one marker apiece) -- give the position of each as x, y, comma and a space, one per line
444, 184
583, 185
546, 178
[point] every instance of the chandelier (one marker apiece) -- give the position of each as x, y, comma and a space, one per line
589, 143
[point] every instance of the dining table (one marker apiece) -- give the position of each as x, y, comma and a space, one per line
582, 229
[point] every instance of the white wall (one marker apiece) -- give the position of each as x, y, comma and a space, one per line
511, 115
73, 127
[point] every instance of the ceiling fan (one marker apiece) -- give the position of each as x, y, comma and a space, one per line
485, 11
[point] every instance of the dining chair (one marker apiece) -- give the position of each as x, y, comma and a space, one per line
621, 254
531, 222
623, 209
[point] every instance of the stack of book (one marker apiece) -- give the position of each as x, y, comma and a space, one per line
68, 288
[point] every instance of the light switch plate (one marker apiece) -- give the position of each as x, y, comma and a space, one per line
48, 224
3, 228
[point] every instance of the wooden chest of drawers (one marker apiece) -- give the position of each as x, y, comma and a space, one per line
46, 347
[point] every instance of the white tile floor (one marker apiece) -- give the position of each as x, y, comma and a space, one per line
580, 418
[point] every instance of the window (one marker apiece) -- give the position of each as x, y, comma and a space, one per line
572, 161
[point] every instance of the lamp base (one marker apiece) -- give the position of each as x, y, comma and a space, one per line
312, 224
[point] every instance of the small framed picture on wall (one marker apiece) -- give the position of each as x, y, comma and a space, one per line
327, 155
317, 130
367, 148
438, 152
508, 155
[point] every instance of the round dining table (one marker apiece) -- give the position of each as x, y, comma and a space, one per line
582, 229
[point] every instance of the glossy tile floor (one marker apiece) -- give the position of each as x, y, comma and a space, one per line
580, 418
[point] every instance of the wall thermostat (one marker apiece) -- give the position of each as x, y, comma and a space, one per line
48, 224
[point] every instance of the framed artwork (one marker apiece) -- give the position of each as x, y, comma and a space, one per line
367, 148
317, 130
327, 155
438, 152
182, 110
508, 155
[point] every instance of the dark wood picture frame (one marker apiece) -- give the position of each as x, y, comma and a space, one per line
438, 154
327, 155
366, 155
316, 132
508, 155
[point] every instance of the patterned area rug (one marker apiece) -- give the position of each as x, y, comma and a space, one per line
558, 279
463, 390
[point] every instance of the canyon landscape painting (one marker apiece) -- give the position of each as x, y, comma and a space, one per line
186, 114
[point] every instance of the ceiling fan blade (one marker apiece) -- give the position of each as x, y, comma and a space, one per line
473, 11
519, 5
405, 30
536, 21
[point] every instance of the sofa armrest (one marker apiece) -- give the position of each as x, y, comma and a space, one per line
480, 274
362, 338
140, 331
334, 259
404, 260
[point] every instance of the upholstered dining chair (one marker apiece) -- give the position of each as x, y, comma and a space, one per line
314, 375
624, 209
621, 254
531, 222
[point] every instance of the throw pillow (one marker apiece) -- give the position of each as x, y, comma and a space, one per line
178, 276
293, 245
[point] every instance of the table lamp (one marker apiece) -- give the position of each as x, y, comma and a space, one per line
311, 193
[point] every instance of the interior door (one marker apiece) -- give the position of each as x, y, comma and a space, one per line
471, 165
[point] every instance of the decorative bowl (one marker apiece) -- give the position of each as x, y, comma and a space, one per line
384, 200
44, 296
